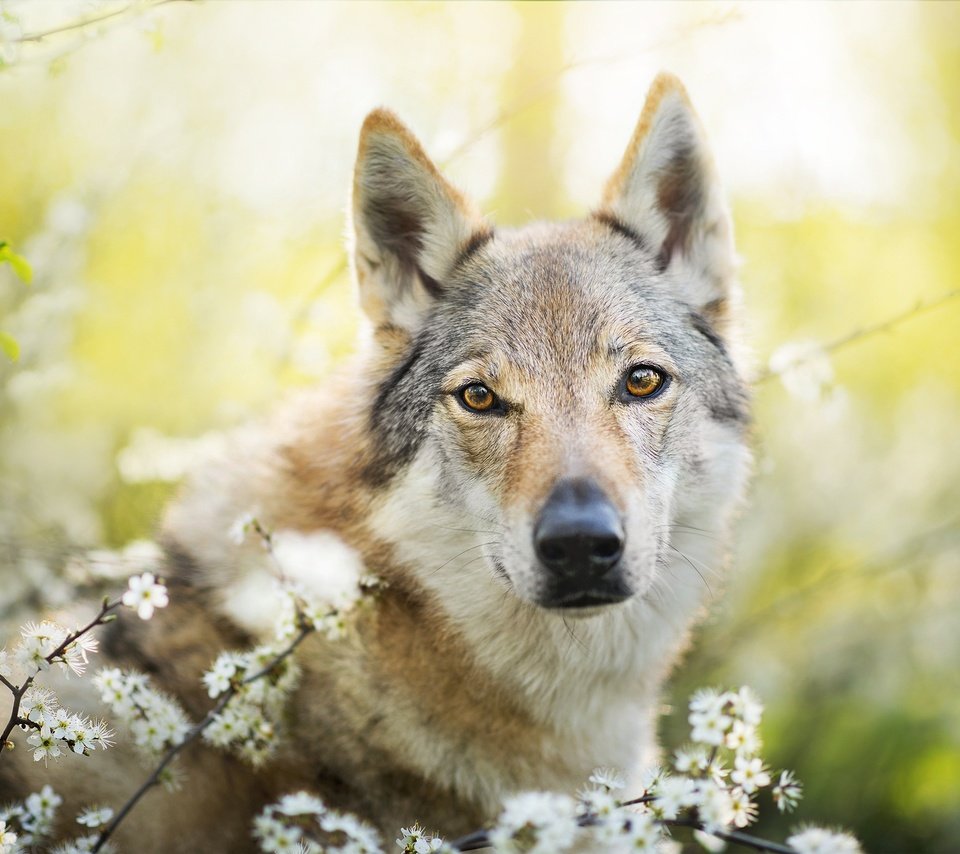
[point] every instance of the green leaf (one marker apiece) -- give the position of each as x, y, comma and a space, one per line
9, 346
19, 264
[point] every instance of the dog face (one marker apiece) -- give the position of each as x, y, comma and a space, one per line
567, 388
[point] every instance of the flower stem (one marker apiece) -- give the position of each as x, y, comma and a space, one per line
194, 733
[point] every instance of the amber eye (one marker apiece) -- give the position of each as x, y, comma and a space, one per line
644, 381
478, 397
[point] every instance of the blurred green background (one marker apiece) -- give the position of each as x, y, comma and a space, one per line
177, 178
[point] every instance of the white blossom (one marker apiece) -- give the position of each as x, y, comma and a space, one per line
37, 704
95, 816
276, 835
817, 840
743, 738
596, 802
673, 795
156, 721
650, 777
691, 759
145, 594
217, 678
639, 835
76, 655
301, 803
8, 839
39, 640
745, 706
361, 838
80, 845
44, 744
40, 811
415, 840
237, 532
536, 822
743, 810
706, 700
787, 792
804, 369
709, 727
610, 778
749, 774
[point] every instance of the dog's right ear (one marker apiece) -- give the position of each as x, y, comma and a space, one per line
667, 193
410, 225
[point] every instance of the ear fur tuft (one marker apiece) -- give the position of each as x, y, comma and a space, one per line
410, 224
666, 190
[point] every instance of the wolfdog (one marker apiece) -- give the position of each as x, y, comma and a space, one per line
539, 448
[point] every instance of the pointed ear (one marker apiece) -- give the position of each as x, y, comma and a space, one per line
410, 225
666, 192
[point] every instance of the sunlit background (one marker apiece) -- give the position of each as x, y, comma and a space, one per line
176, 176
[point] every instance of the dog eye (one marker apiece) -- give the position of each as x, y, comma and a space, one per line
478, 398
643, 381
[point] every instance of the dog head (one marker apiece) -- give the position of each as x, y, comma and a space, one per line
568, 389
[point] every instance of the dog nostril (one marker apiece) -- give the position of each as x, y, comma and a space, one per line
551, 551
607, 548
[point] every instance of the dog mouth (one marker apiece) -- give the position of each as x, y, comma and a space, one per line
585, 599
574, 599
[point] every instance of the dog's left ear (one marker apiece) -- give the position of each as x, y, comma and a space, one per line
665, 192
410, 225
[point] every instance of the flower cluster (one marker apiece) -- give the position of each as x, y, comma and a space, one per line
302, 824
711, 787
300, 609
536, 822
48, 644
817, 840
257, 683
720, 773
28, 822
56, 730
156, 721
415, 840
260, 685
44, 644
92, 818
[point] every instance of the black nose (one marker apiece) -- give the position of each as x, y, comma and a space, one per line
578, 536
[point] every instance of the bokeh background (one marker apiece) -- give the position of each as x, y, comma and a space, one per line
176, 175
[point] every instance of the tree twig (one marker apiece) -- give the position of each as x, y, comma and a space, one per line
865, 332
481, 838
88, 22
543, 86
738, 837
192, 735
18, 692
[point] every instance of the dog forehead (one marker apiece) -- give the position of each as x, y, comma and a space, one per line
564, 292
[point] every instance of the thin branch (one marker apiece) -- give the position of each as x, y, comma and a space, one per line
193, 734
18, 692
735, 836
87, 22
932, 541
481, 838
472, 841
919, 308
545, 85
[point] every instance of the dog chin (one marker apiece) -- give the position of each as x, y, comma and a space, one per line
585, 612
